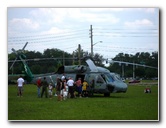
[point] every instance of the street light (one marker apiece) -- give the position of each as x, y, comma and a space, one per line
93, 45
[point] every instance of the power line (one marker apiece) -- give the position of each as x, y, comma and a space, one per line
49, 38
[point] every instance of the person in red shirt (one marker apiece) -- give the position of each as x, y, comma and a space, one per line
38, 86
79, 87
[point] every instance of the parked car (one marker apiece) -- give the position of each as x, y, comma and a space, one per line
134, 81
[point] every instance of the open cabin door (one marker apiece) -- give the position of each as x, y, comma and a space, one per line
82, 76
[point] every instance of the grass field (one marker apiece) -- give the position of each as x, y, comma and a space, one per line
134, 105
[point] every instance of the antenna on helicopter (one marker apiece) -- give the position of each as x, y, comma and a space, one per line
18, 54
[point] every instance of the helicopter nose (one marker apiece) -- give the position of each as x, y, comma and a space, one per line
120, 87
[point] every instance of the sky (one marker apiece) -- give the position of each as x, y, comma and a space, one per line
114, 30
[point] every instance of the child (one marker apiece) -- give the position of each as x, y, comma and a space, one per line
84, 88
50, 90
65, 93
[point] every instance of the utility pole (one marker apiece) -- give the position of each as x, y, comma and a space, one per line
79, 52
122, 70
91, 36
63, 58
133, 70
73, 58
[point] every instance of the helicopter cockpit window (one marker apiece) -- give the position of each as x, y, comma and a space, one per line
100, 79
117, 77
109, 78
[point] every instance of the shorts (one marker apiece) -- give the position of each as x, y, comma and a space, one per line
20, 89
79, 89
65, 94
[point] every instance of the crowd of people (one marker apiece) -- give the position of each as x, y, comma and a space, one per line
64, 88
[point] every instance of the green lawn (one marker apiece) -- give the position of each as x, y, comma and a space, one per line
132, 105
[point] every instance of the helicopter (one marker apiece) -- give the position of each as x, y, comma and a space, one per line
103, 81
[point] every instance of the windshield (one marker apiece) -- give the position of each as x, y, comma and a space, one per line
112, 77
117, 77
109, 78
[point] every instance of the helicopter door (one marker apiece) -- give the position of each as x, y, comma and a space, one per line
99, 82
80, 76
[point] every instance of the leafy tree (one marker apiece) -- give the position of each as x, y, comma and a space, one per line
143, 58
36, 69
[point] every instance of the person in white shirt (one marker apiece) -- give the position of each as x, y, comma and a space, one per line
63, 77
70, 84
20, 83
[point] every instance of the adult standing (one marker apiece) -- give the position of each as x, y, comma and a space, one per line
79, 87
58, 89
20, 83
44, 85
70, 84
91, 88
63, 88
38, 86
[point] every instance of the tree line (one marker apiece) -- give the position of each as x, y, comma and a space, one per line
51, 59
143, 58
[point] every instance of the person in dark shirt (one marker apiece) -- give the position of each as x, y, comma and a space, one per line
58, 89
44, 85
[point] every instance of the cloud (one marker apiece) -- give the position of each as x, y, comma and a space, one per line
100, 18
150, 10
95, 15
23, 24
55, 30
145, 10
49, 15
138, 23
59, 15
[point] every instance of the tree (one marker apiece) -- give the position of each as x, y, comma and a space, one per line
98, 59
143, 58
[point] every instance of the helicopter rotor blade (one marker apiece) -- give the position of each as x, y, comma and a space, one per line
24, 46
14, 51
13, 63
91, 65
